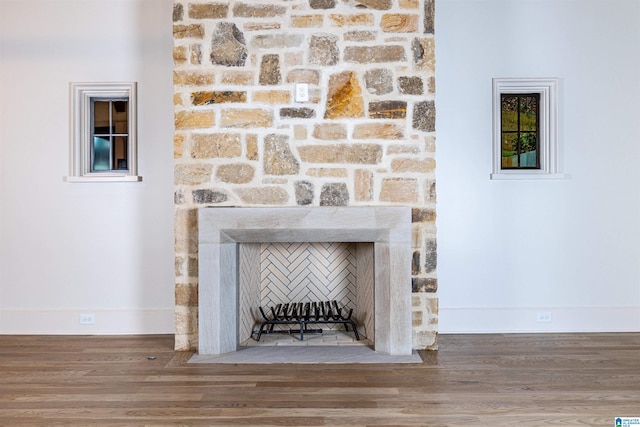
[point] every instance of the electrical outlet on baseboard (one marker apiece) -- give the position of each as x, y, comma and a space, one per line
87, 319
543, 317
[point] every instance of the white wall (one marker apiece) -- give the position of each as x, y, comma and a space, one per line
102, 248
510, 249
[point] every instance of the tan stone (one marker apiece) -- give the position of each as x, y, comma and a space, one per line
237, 173
178, 145
431, 82
423, 215
377, 4
430, 144
248, 10
429, 191
179, 55
408, 4
278, 158
188, 31
378, 131
194, 119
243, 78
359, 19
192, 174
344, 97
330, 131
252, 146
196, 54
177, 99
416, 318
328, 172
216, 145
217, 97
413, 165
399, 190
399, 23
277, 41
424, 54
304, 76
363, 183
208, 10
300, 132
246, 118
269, 195
272, 96
186, 319
403, 149
341, 153
186, 231
293, 58
360, 36
186, 295
260, 26
193, 78
374, 54
307, 21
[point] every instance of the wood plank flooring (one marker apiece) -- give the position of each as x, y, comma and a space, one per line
537, 379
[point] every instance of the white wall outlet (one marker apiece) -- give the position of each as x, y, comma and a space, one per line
87, 319
302, 92
543, 317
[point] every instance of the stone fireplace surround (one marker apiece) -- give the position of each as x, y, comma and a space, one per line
222, 230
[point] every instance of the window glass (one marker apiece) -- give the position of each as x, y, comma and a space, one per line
519, 131
110, 135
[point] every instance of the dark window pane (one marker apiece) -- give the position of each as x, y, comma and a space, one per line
509, 112
120, 152
101, 117
101, 149
120, 116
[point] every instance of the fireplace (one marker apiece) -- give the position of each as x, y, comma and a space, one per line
229, 248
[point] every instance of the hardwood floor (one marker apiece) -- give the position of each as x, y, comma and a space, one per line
541, 379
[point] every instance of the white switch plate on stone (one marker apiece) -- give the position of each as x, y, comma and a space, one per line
302, 92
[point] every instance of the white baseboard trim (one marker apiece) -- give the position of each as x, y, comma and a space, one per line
67, 322
460, 320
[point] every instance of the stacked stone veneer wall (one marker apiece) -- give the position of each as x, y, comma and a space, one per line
366, 136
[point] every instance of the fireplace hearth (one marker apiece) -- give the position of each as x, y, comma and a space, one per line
230, 238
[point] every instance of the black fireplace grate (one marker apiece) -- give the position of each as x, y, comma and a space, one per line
304, 314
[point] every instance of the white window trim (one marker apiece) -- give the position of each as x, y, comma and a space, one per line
549, 159
80, 129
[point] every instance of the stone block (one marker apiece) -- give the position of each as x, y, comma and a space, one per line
344, 97
341, 153
252, 146
360, 36
208, 10
246, 118
186, 231
424, 284
269, 195
330, 131
177, 99
374, 54
277, 41
408, 4
216, 145
379, 81
403, 149
430, 255
430, 190
178, 12
196, 54
228, 46
378, 131
217, 97
415, 263
322, 4
399, 23
363, 185
307, 21
178, 145
328, 172
334, 194
194, 119
423, 215
270, 70
424, 54
186, 295
252, 10
304, 193
179, 198
359, 19
406, 164
272, 96
192, 174
278, 159
410, 85
194, 31
299, 132
242, 78
261, 26
297, 113
235, 173
179, 55
399, 190
429, 15
208, 196
304, 76
424, 116
193, 78
323, 50
388, 110
375, 4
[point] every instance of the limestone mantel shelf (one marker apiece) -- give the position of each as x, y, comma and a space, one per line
221, 229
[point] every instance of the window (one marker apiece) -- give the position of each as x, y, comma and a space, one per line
103, 132
525, 129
